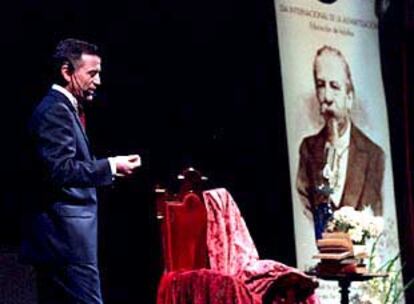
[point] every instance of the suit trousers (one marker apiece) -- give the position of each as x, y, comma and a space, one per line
68, 284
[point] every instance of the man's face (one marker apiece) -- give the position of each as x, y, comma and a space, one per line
331, 91
85, 79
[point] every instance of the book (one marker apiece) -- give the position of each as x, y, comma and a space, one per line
333, 255
337, 252
336, 235
337, 268
337, 244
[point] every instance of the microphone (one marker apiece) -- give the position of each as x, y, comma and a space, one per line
90, 95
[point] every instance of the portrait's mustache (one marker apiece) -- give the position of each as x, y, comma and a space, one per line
327, 112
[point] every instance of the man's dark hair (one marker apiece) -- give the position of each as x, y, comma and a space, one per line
68, 52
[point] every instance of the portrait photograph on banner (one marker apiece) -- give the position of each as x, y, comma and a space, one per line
338, 140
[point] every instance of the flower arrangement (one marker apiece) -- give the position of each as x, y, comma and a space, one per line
360, 225
363, 226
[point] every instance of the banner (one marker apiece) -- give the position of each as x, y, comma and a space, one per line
336, 116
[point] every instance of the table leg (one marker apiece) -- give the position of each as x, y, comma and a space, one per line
344, 285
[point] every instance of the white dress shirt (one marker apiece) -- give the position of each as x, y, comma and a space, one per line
337, 163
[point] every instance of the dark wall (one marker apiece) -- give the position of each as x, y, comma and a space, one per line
396, 32
184, 83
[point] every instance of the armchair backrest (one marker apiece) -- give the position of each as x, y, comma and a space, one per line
235, 265
183, 224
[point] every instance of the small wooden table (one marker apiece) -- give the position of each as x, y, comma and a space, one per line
345, 280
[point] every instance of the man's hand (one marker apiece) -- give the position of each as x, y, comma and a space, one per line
126, 165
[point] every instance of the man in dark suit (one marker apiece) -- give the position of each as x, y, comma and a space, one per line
60, 220
340, 157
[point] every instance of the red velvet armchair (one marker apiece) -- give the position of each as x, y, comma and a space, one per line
209, 256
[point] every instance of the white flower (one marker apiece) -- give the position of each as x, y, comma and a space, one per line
375, 226
359, 224
356, 234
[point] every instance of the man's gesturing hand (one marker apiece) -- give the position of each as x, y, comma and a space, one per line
126, 165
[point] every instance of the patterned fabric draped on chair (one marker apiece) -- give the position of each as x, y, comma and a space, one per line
235, 274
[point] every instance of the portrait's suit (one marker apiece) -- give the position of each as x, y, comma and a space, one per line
364, 176
60, 222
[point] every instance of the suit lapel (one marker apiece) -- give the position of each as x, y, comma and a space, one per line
355, 175
81, 128
318, 158
66, 101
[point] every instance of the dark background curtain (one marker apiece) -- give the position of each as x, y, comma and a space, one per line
397, 46
184, 83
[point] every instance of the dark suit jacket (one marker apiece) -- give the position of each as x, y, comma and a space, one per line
364, 177
60, 222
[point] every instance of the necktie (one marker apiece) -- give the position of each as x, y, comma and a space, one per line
82, 116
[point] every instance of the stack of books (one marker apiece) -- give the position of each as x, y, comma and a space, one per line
337, 255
